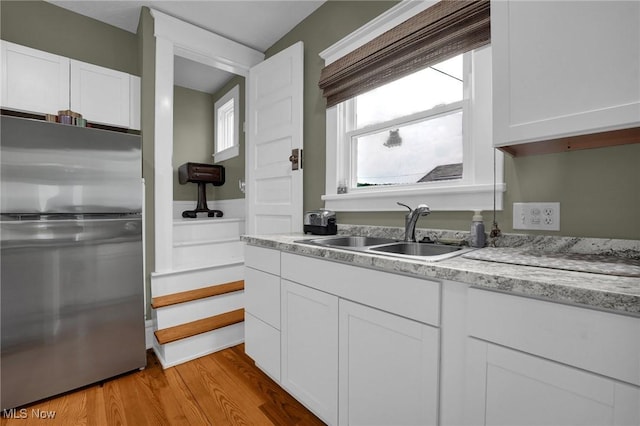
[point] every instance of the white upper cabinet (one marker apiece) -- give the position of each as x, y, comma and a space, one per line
564, 68
101, 95
40, 82
34, 81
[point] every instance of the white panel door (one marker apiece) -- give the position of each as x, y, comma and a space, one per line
100, 94
274, 111
388, 368
34, 81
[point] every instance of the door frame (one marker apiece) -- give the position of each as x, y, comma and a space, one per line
174, 37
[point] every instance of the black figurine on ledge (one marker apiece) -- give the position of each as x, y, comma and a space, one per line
202, 174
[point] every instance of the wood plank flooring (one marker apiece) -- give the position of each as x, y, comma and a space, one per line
224, 388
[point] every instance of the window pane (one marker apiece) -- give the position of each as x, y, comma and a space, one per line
420, 91
426, 151
225, 126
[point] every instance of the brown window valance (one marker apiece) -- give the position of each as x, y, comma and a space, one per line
444, 30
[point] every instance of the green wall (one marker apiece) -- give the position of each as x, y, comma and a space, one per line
192, 136
193, 140
598, 190
47, 27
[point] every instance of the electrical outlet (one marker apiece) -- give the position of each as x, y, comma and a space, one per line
536, 216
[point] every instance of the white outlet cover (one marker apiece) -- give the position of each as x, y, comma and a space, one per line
537, 216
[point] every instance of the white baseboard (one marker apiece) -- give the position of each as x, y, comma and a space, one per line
231, 208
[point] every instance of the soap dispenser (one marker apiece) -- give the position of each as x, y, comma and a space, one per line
477, 238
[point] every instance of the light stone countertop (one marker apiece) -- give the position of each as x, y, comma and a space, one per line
619, 294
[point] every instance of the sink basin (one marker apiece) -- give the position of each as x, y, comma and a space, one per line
387, 246
421, 251
416, 249
349, 241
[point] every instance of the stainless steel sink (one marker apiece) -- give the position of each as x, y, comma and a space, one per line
416, 249
420, 251
348, 241
386, 246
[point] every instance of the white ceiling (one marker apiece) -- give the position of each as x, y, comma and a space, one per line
255, 23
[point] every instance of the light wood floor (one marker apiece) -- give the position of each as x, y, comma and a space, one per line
224, 388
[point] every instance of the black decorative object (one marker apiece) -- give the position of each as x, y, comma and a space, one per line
202, 174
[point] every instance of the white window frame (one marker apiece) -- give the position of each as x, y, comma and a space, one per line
234, 149
475, 191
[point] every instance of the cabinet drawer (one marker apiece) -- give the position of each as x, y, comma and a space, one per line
596, 341
263, 259
262, 296
414, 298
262, 344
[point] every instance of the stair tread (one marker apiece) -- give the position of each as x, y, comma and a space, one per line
200, 293
204, 325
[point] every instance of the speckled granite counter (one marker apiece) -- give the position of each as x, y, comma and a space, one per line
615, 293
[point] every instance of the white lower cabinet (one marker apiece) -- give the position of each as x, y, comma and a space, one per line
310, 348
388, 370
531, 362
515, 388
262, 308
359, 346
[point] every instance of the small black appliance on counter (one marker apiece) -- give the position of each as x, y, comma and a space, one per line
320, 222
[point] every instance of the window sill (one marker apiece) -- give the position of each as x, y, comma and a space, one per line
227, 154
440, 198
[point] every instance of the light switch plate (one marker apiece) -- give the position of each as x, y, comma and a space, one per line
536, 216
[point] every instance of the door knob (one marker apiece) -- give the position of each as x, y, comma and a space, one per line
294, 158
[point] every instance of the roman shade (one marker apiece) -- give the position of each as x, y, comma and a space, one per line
444, 30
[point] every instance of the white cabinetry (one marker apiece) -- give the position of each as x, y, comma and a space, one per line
388, 368
40, 82
101, 95
34, 81
310, 348
564, 68
262, 308
535, 362
365, 343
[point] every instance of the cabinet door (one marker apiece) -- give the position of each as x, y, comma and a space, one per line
309, 327
388, 368
100, 94
508, 387
564, 68
262, 344
262, 320
34, 81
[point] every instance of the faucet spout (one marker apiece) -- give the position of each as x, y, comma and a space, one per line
412, 220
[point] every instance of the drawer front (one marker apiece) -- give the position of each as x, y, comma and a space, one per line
261, 258
262, 296
413, 298
601, 342
262, 344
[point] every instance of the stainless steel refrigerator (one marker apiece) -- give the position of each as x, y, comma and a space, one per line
71, 284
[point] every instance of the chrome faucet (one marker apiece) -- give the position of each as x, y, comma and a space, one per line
411, 219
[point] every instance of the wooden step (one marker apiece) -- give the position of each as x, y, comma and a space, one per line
200, 293
189, 329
